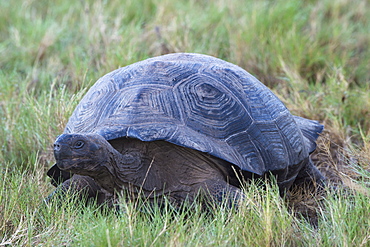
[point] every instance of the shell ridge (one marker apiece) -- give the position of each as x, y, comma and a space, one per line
199, 102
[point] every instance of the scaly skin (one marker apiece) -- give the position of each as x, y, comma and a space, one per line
152, 169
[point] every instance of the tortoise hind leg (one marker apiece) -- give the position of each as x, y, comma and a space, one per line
302, 174
309, 174
223, 192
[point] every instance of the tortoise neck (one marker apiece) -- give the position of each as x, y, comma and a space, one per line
118, 170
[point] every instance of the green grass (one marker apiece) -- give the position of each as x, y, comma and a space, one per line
313, 54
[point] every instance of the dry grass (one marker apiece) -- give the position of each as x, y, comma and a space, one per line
313, 54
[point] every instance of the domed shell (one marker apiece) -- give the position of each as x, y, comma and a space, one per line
199, 102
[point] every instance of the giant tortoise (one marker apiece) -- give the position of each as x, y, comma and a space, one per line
181, 124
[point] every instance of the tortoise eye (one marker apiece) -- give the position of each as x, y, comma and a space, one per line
78, 144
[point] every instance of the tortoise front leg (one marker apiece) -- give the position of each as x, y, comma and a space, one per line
84, 186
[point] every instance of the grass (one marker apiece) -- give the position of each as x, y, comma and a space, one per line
313, 54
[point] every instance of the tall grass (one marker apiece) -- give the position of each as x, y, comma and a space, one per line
313, 54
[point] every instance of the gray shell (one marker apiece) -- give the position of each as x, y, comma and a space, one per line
199, 102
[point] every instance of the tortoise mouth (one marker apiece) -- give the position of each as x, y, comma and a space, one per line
72, 163
64, 165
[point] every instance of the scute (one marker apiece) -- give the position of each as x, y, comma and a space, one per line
195, 101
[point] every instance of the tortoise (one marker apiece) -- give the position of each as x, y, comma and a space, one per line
178, 125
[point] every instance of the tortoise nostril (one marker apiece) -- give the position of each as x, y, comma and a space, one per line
56, 147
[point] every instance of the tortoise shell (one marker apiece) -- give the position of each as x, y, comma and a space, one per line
199, 102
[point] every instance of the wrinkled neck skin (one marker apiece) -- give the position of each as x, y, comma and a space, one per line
117, 171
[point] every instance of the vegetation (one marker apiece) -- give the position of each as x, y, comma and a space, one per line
313, 54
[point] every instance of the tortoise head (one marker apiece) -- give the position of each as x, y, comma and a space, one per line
81, 153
